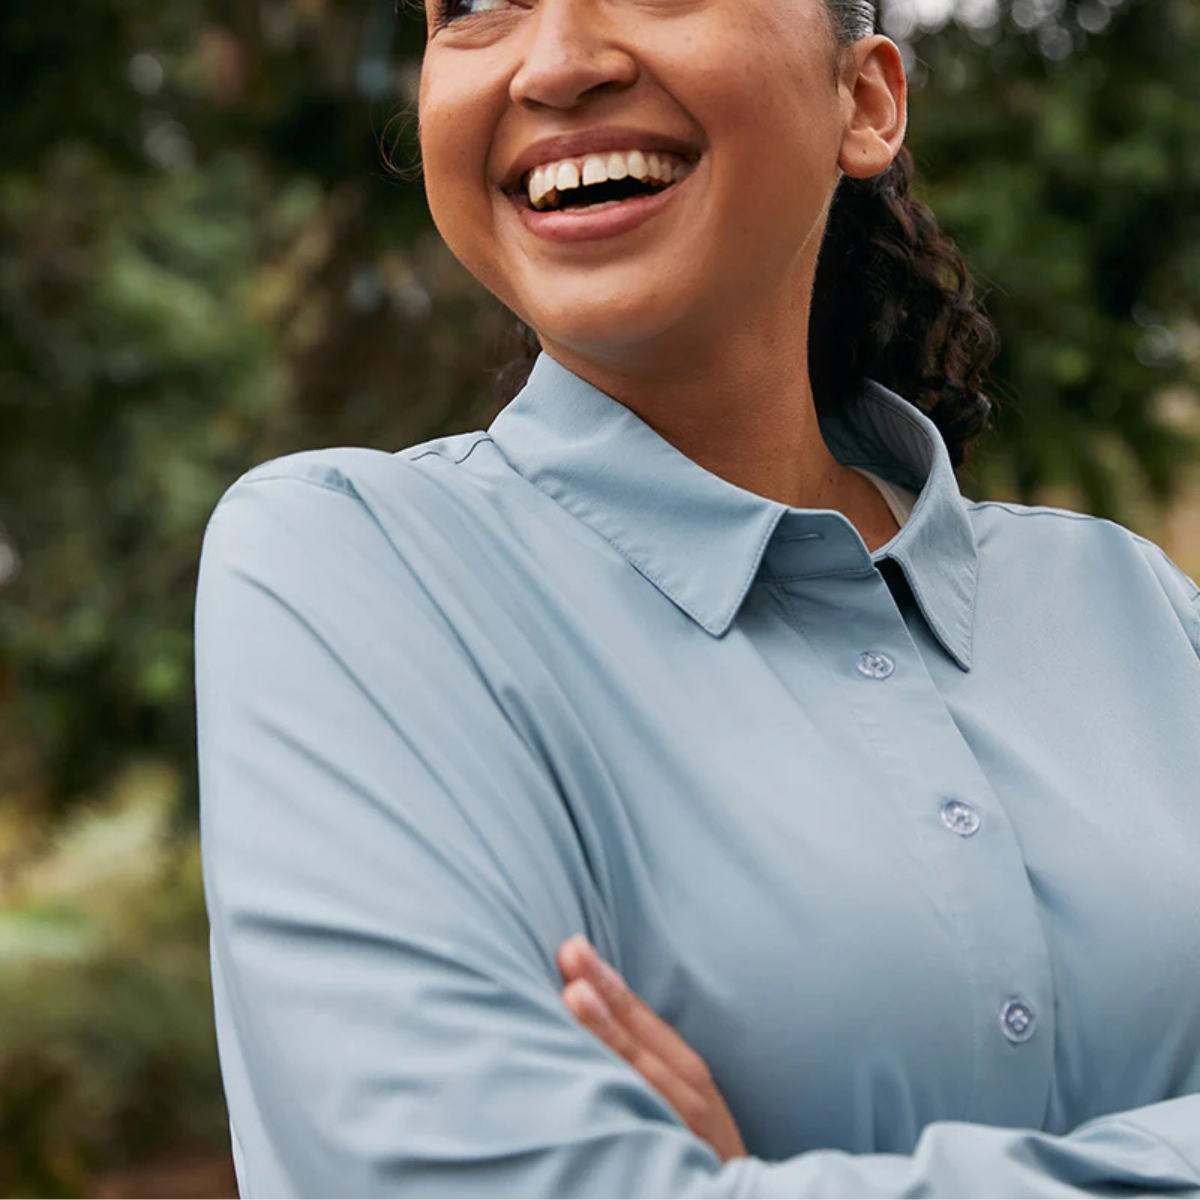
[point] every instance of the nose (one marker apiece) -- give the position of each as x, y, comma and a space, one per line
569, 53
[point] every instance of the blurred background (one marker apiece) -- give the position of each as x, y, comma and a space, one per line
205, 261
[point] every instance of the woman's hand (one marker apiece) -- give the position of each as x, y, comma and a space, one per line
604, 1003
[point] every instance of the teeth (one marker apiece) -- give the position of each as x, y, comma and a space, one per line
595, 169
568, 176
546, 183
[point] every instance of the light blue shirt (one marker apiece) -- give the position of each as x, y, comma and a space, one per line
906, 845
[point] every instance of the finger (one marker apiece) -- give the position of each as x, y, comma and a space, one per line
587, 1004
583, 1000
581, 960
673, 1088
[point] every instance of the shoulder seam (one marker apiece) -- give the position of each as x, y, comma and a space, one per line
1044, 510
471, 448
347, 491
483, 437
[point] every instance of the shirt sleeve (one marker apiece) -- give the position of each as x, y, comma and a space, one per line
1180, 589
389, 871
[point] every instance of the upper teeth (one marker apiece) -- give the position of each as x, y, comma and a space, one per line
560, 176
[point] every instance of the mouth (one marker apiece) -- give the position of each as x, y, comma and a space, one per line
599, 210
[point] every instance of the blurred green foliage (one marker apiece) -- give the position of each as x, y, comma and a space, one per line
205, 262
106, 1031
1068, 165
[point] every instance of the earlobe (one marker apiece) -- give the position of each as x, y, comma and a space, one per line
878, 97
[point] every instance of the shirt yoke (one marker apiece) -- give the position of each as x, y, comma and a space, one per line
337, 467
1180, 588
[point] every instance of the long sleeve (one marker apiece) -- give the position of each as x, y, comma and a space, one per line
389, 869
1180, 590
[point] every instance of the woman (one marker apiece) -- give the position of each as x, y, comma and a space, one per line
882, 802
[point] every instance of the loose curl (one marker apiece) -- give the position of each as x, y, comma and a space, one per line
892, 300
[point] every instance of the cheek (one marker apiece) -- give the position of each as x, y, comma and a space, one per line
456, 124
771, 191
770, 104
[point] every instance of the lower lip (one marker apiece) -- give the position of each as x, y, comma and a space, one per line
565, 225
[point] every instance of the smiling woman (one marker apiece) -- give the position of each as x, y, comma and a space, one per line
680, 788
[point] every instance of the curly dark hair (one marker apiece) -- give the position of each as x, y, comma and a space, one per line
893, 299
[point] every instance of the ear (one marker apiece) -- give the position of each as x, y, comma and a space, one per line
874, 94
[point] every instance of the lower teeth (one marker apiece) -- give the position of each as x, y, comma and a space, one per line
585, 208
582, 208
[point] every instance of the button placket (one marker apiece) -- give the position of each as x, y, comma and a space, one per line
998, 936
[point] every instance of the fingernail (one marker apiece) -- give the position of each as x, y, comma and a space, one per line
585, 947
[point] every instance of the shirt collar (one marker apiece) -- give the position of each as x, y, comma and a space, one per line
701, 540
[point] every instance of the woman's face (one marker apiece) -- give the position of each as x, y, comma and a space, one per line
748, 97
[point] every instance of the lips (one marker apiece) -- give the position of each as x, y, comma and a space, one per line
592, 141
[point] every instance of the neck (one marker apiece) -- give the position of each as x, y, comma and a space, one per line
746, 415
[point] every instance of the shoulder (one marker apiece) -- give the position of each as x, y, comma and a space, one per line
335, 492
353, 534
1086, 557
359, 471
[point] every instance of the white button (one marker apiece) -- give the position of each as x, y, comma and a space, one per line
1017, 1020
875, 665
960, 817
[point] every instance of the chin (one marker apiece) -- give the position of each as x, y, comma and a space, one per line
601, 335
607, 318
